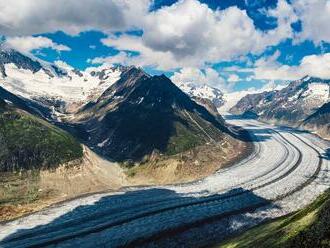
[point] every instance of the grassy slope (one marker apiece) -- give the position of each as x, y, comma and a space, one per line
27, 142
27, 145
309, 227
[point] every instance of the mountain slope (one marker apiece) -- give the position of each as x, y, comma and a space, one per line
27, 142
319, 121
203, 91
10, 56
308, 227
41, 164
291, 105
253, 102
58, 87
141, 114
27, 105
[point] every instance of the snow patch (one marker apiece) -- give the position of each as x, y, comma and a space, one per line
102, 144
318, 91
70, 88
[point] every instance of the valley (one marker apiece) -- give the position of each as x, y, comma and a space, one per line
76, 133
286, 171
165, 123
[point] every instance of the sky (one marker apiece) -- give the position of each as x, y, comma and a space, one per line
232, 45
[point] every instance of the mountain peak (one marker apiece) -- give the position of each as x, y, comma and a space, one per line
290, 105
138, 115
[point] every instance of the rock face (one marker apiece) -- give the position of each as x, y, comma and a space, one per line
253, 103
209, 105
319, 121
27, 142
291, 105
140, 115
27, 105
303, 103
9, 56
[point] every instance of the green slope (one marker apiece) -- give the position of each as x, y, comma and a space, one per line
27, 142
309, 227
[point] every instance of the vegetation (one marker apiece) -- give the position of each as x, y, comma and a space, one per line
308, 227
27, 142
19, 188
184, 139
27, 145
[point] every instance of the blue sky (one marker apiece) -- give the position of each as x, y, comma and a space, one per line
232, 45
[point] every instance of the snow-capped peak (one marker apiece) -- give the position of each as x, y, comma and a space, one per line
57, 85
202, 91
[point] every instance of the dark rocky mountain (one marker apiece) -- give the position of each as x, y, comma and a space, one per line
21, 61
140, 114
291, 105
27, 105
27, 142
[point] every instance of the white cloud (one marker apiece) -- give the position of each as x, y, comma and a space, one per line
190, 34
26, 44
196, 76
147, 56
63, 65
120, 58
312, 65
315, 18
233, 78
23, 17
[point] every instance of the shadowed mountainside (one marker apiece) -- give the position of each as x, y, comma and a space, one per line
141, 114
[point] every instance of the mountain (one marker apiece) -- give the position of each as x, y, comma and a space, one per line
58, 87
253, 103
141, 114
209, 105
319, 121
27, 105
203, 91
10, 56
121, 112
290, 105
27, 142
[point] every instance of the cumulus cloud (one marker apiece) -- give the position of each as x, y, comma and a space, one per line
196, 76
26, 44
146, 57
22, 17
190, 34
63, 65
312, 65
120, 58
315, 19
